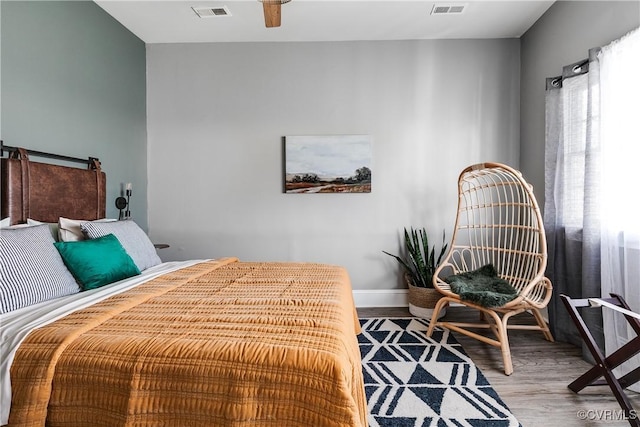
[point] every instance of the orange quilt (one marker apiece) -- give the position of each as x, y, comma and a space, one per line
221, 343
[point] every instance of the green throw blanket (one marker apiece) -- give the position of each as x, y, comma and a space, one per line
482, 287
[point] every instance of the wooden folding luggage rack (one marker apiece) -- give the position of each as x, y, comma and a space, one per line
602, 372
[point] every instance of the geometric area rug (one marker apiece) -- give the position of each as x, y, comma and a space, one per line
415, 381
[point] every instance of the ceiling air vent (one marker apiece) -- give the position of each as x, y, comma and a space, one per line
211, 12
447, 9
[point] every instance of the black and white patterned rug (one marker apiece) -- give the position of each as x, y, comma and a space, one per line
412, 380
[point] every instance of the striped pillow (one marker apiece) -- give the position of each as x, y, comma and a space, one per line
32, 269
132, 238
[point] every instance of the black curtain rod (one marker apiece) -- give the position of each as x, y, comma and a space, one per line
88, 161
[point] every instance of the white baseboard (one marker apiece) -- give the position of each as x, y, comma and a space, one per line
384, 298
380, 297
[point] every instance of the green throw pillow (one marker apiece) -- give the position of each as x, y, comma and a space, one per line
97, 262
483, 287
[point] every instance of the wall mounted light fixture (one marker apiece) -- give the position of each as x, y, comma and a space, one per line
123, 203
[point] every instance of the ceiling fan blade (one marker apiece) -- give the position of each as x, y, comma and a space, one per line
271, 14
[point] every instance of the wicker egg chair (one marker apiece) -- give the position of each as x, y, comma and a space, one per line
499, 223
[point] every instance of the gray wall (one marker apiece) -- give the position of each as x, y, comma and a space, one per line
562, 36
73, 83
217, 114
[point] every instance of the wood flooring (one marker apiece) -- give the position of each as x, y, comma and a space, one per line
537, 391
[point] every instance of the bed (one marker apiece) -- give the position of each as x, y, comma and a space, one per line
196, 343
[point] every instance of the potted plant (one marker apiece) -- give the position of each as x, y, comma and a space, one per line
419, 264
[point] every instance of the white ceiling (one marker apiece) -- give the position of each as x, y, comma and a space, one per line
162, 21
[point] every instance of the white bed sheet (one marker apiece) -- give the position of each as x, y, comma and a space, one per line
16, 325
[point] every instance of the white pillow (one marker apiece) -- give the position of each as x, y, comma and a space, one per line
32, 269
69, 229
132, 238
6, 223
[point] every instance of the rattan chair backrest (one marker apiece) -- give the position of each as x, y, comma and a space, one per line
499, 223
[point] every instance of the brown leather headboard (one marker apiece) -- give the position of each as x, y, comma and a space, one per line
45, 192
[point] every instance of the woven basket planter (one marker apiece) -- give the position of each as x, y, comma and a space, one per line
422, 301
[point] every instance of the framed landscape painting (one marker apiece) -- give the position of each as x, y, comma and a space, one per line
328, 164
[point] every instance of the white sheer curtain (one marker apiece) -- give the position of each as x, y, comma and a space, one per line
592, 188
619, 67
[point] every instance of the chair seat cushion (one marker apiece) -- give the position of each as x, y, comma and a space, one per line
483, 287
